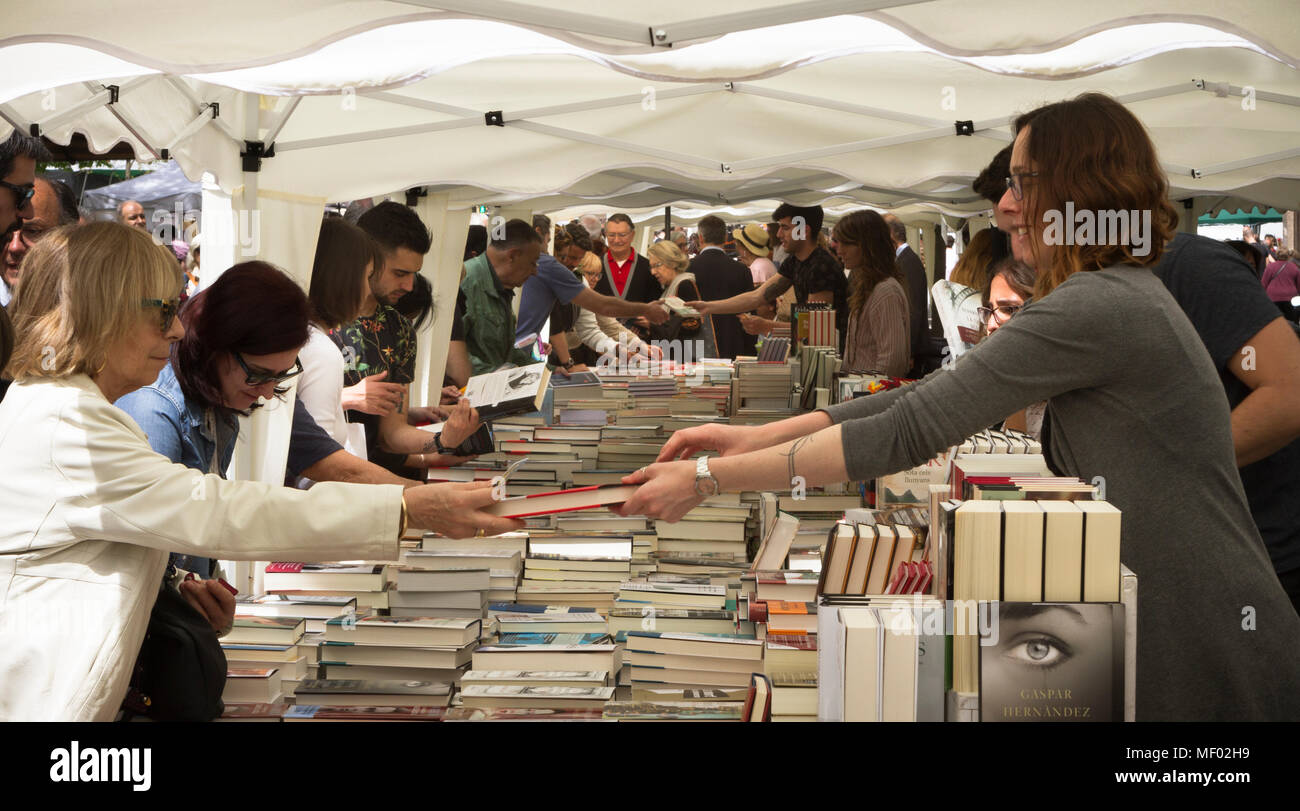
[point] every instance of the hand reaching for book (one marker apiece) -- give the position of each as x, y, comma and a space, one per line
655, 313
456, 509
667, 491
701, 307
726, 439
212, 600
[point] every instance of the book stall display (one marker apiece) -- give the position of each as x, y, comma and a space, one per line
890, 600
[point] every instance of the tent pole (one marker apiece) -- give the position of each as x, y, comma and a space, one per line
668, 222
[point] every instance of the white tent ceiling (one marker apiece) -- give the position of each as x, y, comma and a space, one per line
362, 98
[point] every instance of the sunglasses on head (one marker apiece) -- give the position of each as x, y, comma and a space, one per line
261, 378
22, 194
167, 310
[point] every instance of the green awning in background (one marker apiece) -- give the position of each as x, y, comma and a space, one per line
1239, 217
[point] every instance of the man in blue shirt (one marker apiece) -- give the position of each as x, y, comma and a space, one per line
555, 284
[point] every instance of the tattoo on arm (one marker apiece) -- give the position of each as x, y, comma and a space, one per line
794, 448
775, 288
430, 447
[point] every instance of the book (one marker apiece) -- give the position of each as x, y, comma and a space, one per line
516, 714
578, 498
724, 646
348, 653
283, 576
798, 586
776, 544
977, 573
863, 651
600, 656
1101, 538
1061, 662
758, 704
254, 630
509, 391
306, 606
674, 710
417, 632
540, 678
316, 712
569, 623
1022, 552
535, 695
367, 693
413, 579
673, 594
252, 685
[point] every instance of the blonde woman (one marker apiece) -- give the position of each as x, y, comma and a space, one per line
601, 334
90, 511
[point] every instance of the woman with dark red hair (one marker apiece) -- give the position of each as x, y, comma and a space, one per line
242, 339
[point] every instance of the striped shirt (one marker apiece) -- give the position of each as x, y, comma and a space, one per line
879, 338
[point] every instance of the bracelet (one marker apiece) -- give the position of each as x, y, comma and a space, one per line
401, 529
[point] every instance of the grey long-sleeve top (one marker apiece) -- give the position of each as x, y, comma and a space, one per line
1132, 397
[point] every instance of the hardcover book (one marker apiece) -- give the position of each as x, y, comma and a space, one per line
508, 391
1059, 662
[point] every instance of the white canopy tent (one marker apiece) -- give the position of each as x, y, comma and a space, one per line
895, 104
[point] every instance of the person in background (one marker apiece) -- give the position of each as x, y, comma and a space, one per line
753, 251
594, 336
555, 285
489, 285
719, 277
379, 346
47, 214
131, 213
91, 512
878, 341
671, 269
950, 256
810, 269
918, 291
976, 262
1282, 283
1009, 288
627, 276
18, 155
1152, 422
542, 225
1270, 244
594, 225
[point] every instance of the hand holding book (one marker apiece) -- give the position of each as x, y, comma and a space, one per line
456, 509
667, 491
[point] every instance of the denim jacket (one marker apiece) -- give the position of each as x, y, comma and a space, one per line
176, 429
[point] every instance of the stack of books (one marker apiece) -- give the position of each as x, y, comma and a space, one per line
373, 693
688, 661
762, 391
252, 685
790, 661
880, 659
315, 610
367, 583
262, 643
433, 592
549, 651
576, 570
399, 648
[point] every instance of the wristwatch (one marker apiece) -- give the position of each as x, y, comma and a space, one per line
568, 364
705, 483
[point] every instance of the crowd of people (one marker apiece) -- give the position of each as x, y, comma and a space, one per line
1171, 374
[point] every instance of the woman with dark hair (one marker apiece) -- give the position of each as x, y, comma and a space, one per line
973, 267
243, 339
878, 339
1009, 287
1133, 397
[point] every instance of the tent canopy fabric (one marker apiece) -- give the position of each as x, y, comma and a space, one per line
162, 188
753, 101
1240, 217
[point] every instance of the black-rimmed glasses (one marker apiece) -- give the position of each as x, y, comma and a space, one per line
1015, 182
1000, 315
22, 194
261, 378
167, 310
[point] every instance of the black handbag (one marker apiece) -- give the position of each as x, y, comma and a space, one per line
180, 672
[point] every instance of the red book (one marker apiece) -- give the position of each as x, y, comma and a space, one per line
560, 501
926, 576
896, 582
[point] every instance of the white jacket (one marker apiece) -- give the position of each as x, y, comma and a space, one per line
88, 513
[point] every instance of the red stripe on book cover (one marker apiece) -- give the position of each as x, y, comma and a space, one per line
283, 567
